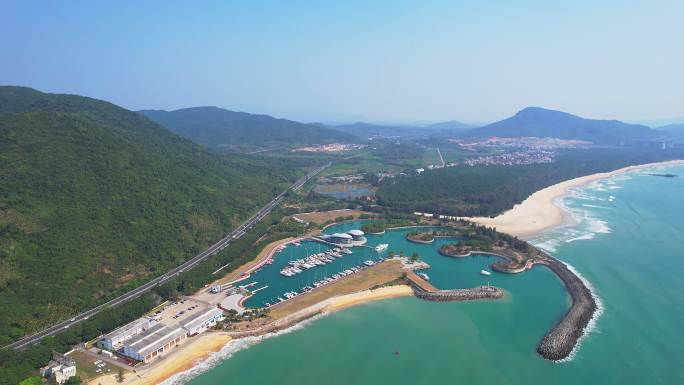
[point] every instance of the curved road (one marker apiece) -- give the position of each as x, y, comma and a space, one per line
189, 264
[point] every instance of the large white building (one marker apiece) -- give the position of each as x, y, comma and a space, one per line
200, 322
145, 339
153, 342
114, 339
59, 369
348, 239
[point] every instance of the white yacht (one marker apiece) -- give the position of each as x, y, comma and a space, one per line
381, 247
485, 272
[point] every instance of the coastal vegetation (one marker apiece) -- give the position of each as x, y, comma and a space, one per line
518, 255
429, 236
490, 190
421, 237
379, 226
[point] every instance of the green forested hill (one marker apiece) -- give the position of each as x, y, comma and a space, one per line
95, 199
217, 127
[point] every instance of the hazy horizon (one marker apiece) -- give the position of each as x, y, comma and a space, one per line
399, 63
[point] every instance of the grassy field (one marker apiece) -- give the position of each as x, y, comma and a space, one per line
430, 156
324, 216
85, 367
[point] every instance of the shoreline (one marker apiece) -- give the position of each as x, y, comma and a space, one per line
543, 210
195, 357
559, 344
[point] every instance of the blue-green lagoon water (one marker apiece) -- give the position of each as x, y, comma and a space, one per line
627, 242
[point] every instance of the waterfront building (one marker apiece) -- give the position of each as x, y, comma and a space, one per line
340, 238
358, 238
154, 342
202, 321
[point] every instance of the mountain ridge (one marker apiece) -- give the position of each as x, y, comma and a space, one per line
542, 122
215, 127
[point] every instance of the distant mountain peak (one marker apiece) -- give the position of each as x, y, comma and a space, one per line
543, 122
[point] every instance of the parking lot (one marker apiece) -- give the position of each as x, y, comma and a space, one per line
174, 312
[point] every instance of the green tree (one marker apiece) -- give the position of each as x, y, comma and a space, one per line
120, 377
75, 380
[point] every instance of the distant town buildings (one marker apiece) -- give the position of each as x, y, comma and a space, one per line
513, 158
332, 147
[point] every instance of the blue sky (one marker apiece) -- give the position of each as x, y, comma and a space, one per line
399, 61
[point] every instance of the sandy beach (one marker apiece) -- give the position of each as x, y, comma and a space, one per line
198, 349
345, 301
542, 210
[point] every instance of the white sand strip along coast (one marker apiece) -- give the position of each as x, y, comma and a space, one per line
542, 210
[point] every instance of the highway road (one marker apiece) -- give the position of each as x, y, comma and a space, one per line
189, 264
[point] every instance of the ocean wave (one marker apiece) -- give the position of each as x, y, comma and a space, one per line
229, 350
581, 238
594, 206
592, 325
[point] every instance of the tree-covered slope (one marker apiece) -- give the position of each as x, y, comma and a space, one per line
540, 122
215, 126
96, 199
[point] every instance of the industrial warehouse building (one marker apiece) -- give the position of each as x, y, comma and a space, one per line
200, 322
146, 339
153, 342
113, 340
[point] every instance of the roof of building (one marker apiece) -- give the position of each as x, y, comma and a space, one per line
342, 235
356, 233
154, 338
199, 317
127, 328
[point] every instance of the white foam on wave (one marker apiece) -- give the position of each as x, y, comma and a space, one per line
581, 238
594, 206
592, 325
229, 350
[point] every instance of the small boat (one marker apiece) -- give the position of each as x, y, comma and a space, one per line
485, 272
347, 251
424, 276
381, 247
368, 263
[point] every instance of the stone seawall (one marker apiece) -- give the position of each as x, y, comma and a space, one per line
470, 294
560, 341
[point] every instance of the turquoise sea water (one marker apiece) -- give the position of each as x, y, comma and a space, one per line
627, 243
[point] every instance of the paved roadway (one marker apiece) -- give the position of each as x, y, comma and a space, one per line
189, 264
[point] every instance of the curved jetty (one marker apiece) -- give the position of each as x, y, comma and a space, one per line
559, 342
